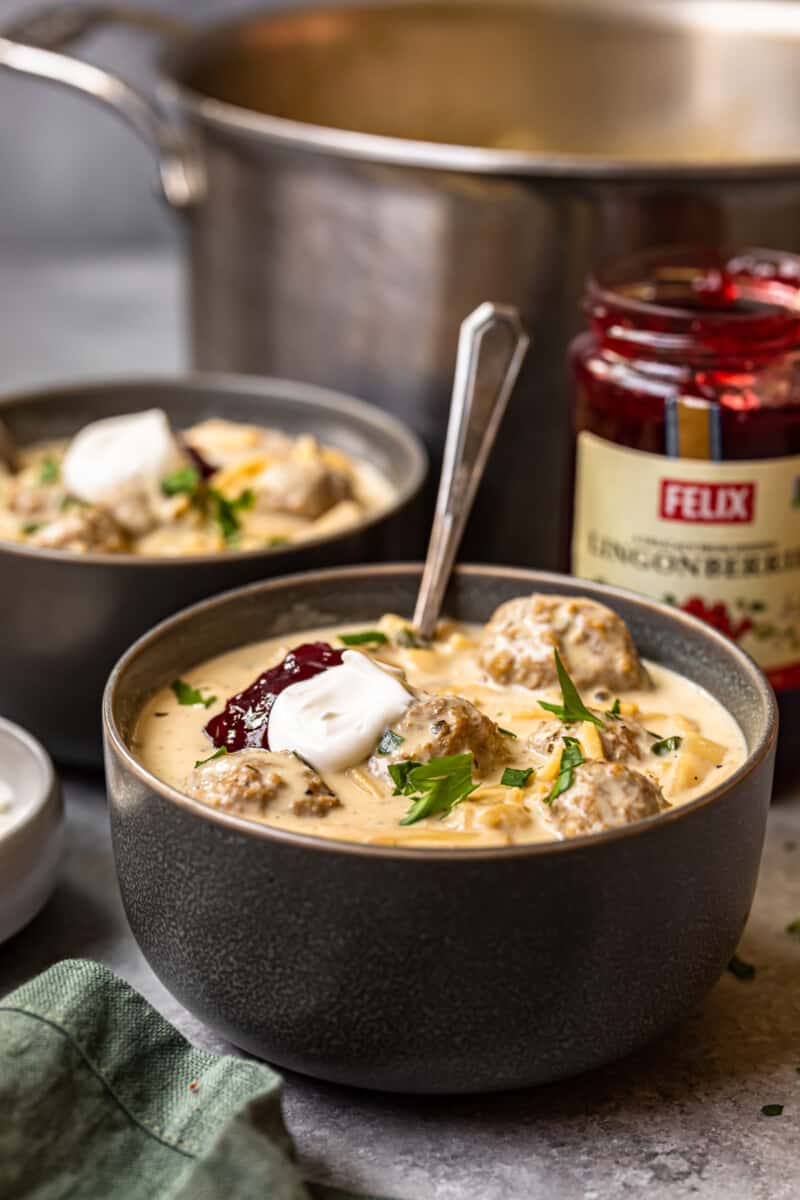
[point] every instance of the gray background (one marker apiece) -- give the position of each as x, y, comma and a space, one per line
70, 172
91, 279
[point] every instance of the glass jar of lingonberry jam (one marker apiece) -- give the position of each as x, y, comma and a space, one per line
687, 473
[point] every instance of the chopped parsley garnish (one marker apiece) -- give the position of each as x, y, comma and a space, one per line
399, 773
667, 745
183, 482
516, 778
70, 502
772, 1110
365, 638
50, 470
225, 512
433, 787
741, 969
571, 757
573, 709
277, 541
201, 762
189, 481
186, 694
32, 527
389, 742
408, 638
793, 928
614, 711
506, 732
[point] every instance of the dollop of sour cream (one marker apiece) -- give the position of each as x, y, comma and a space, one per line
335, 719
120, 454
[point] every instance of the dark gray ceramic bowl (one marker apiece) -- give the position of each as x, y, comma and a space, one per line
66, 618
434, 970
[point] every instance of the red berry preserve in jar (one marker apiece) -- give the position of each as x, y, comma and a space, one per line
687, 473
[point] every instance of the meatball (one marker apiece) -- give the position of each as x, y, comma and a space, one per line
622, 739
248, 782
224, 443
436, 726
594, 643
303, 489
604, 796
83, 528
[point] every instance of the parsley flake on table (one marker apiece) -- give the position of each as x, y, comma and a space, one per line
741, 969
793, 928
514, 777
366, 637
772, 1110
571, 757
187, 695
572, 709
434, 787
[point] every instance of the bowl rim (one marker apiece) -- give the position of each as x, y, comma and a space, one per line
115, 743
296, 392
45, 797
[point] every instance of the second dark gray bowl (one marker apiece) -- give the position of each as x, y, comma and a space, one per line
434, 970
65, 618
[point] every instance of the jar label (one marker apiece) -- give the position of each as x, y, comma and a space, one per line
720, 540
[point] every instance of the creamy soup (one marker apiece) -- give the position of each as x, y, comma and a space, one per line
131, 484
543, 724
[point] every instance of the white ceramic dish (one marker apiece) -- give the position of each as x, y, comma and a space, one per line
31, 828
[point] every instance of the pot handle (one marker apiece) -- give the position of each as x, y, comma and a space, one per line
32, 46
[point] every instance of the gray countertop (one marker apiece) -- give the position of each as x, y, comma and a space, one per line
682, 1118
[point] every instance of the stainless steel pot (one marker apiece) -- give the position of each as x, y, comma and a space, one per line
357, 179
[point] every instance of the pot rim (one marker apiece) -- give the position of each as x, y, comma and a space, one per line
115, 743
446, 156
296, 391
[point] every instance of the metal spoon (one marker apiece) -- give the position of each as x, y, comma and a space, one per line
491, 347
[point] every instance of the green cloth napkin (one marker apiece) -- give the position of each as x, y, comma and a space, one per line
100, 1097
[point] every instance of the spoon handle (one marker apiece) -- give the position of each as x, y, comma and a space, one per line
491, 347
